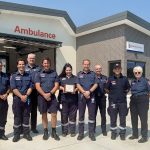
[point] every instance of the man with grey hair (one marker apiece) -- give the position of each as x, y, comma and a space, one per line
32, 68
139, 104
4, 91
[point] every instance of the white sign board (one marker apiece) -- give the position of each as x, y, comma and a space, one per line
35, 27
134, 46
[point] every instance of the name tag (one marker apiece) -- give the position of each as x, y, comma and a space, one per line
103, 80
35, 70
18, 78
133, 83
113, 82
81, 76
42, 75
27, 69
63, 79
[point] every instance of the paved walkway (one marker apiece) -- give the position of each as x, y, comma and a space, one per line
70, 143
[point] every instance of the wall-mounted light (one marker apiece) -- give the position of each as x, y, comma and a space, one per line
2, 40
9, 47
2, 51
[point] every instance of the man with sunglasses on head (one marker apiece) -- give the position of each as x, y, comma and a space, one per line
117, 88
139, 104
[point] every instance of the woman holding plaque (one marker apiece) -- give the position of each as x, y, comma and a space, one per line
68, 97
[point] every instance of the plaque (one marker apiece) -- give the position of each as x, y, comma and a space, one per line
69, 88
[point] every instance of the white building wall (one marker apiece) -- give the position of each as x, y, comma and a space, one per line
55, 25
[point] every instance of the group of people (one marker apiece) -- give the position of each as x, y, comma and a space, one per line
34, 86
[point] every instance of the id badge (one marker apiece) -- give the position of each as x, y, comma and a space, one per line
92, 100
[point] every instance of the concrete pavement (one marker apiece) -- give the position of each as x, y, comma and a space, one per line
70, 143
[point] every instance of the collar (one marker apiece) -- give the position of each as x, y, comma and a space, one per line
18, 73
135, 80
34, 66
83, 72
48, 71
100, 76
69, 77
121, 76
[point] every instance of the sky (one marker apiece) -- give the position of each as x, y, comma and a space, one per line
87, 11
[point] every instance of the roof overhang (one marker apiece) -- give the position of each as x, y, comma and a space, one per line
122, 22
122, 18
33, 11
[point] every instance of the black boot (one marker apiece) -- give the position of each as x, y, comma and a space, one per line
3, 137
133, 137
122, 137
92, 137
27, 136
113, 135
35, 131
54, 135
142, 140
45, 136
16, 138
80, 137
104, 132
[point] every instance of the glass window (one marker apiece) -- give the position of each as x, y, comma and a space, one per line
131, 65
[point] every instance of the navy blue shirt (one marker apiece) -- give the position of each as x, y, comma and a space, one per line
118, 88
86, 80
47, 80
140, 87
101, 84
68, 97
32, 70
4, 83
22, 82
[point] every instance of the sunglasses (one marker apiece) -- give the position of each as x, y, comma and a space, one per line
137, 72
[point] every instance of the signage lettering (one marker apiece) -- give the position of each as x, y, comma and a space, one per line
38, 33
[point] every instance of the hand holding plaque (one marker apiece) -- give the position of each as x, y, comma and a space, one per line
69, 88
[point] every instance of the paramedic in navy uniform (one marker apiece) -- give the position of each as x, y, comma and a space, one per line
100, 98
32, 68
139, 104
86, 84
21, 84
47, 83
69, 101
117, 88
4, 92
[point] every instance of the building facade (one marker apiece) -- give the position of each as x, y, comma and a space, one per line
122, 38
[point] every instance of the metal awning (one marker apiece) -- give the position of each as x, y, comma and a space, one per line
19, 43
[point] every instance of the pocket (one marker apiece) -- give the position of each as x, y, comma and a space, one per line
18, 83
27, 82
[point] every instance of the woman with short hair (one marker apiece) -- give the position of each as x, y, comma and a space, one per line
139, 104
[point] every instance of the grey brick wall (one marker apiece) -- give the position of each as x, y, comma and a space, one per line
101, 47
